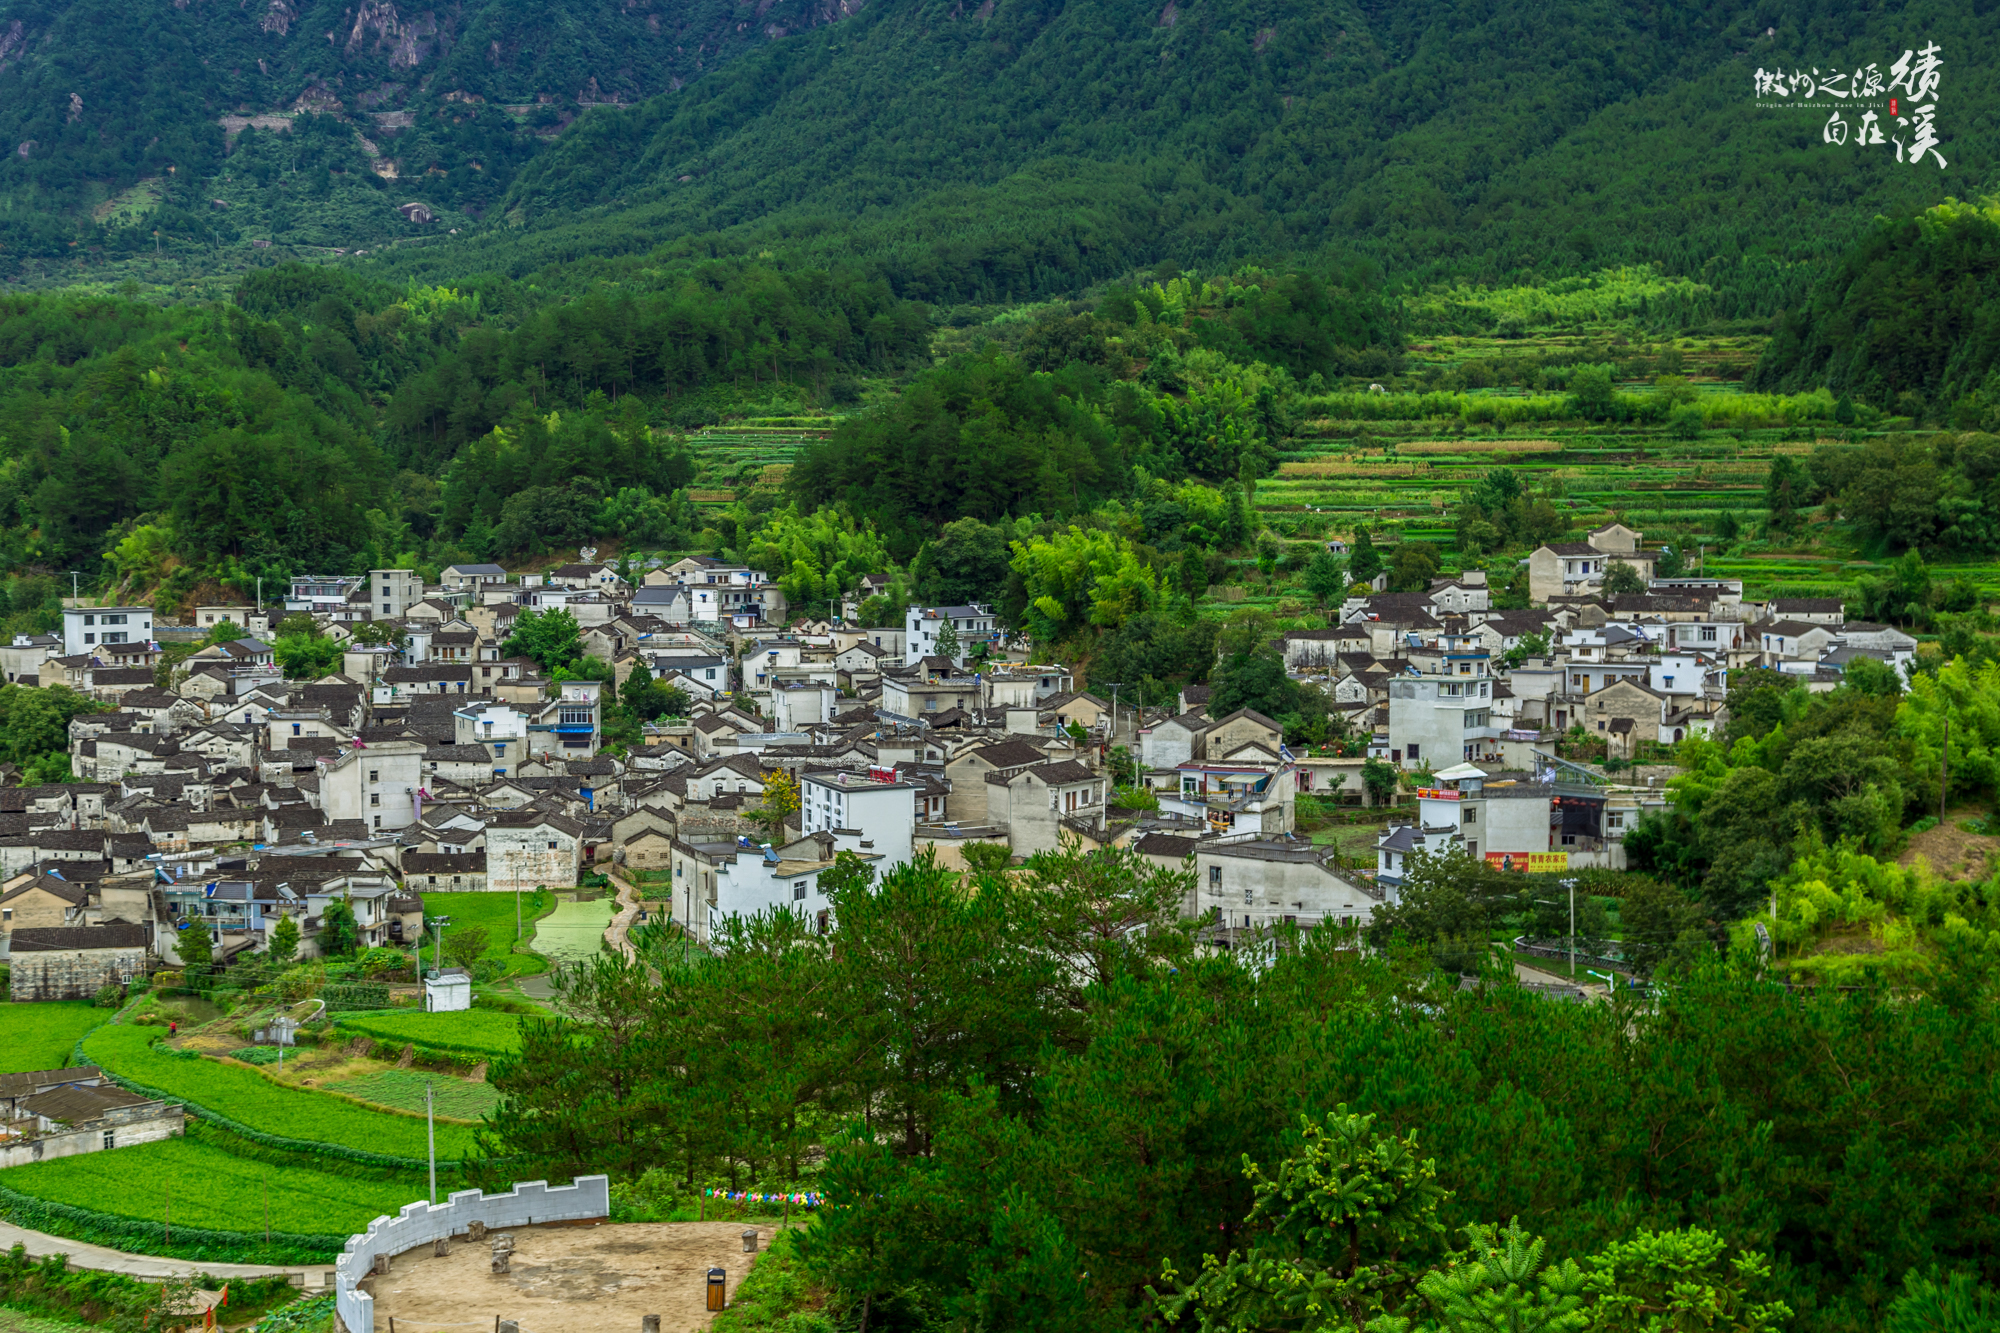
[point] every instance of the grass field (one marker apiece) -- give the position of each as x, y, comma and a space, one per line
246, 1096
16, 1321
404, 1090
474, 1031
213, 1189
494, 913
42, 1036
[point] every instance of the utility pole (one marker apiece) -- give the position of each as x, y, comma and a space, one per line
1944, 767
74, 595
430, 1137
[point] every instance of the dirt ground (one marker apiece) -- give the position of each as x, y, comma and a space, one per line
584, 1279
1952, 852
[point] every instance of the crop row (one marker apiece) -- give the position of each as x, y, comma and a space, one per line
42, 1036
246, 1097
474, 1031
208, 1188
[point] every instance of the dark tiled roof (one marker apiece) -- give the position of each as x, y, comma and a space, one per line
55, 939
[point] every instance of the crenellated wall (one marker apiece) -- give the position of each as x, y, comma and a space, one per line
420, 1224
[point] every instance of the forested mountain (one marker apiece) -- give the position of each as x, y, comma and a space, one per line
974, 151
310, 122
1025, 147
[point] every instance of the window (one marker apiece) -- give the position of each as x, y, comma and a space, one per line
552, 844
114, 620
1215, 877
1471, 814
799, 892
1413, 751
1614, 819
295, 729
1569, 839
110, 1140
374, 798
378, 821
90, 638
374, 775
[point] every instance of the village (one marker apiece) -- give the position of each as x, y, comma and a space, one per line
430, 763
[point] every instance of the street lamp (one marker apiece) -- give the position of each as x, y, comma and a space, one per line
1569, 884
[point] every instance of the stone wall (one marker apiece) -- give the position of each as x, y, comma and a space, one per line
71, 974
533, 1201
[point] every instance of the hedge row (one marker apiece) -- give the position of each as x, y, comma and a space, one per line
135, 1236
308, 1106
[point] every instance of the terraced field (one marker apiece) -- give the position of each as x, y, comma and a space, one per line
1398, 463
730, 454
472, 1031
214, 1189
260, 1105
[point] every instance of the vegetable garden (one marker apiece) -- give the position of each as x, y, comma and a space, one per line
471, 1031
268, 1111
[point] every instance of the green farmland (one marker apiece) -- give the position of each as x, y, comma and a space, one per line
44, 1036
471, 1031
255, 1102
1399, 463
213, 1189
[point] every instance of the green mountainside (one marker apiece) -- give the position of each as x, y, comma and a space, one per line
1027, 148
309, 123
970, 152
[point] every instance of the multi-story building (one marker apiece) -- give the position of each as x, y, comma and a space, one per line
1444, 716
392, 592
974, 625
501, 729
877, 805
380, 783
323, 595
567, 727
107, 631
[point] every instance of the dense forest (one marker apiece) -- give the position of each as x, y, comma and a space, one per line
1041, 1106
114, 118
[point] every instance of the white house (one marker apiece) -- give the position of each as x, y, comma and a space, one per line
876, 805
89, 629
973, 624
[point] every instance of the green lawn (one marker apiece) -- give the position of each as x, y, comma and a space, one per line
246, 1096
473, 1031
494, 913
43, 1036
404, 1089
213, 1189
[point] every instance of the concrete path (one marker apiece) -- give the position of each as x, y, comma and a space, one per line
628, 912
148, 1267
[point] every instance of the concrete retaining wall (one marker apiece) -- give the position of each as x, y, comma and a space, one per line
420, 1224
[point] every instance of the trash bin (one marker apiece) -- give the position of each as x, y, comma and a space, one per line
718, 1288
750, 1241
